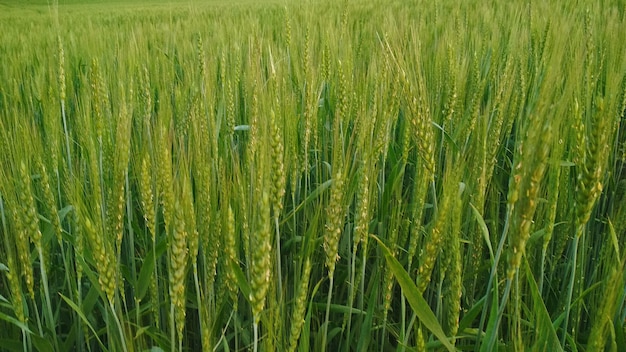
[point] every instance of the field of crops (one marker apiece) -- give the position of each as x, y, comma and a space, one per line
358, 175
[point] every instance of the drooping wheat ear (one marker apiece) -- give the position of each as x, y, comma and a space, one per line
297, 317
29, 209
334, 224
261, 253
23, 248
433, 243
104, 264
529, 172
29, 223
591, 155
590, 158
178, 268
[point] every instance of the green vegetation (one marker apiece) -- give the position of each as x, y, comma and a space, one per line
359, 175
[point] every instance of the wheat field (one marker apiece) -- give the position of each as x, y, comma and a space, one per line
356, 175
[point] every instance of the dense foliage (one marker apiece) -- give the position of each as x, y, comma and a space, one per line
358, 175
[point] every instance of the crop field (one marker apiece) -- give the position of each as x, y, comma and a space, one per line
359, 175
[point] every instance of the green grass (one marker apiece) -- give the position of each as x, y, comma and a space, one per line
310, 176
